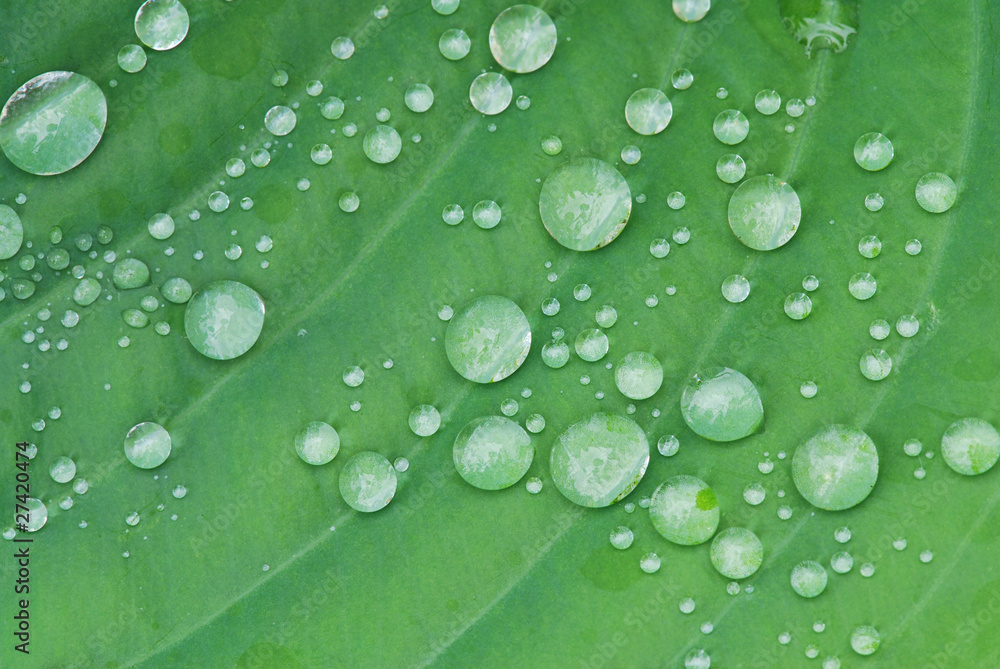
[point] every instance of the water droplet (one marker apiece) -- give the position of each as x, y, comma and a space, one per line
132, 58
224, 319
38, 514
808, 389
784, 638
382, 144
161, 24
488, 339
737, 553
826, 25
926, 556
555, 354
867, 570
454, 44
648, 111
419, 98
492, 453
280, 120
486, 214
522, 38
639, 375
862, 285
599, 460
764, 213
936, 192
873, 151
591, 345
731, 126
260, 157
731, 168
876, 364
445, 7
491, 93
332, 108
676, 200
687, 605
53, 122
606, 316
62, 470
690, 11
798, 306
913, 247
147, 445
836, 468
685, 510
754, 494
350, 130
682, 79
970, 446
550, 306
767, 102
585, 203
424, 420
631, 154
218, 201
349, 202
659, 248
681, 235
808, 579
342, 48
870, 246
907, 326
723, 405
865, 640
367, 482
317, 443
321, 154
722, 93
874, 202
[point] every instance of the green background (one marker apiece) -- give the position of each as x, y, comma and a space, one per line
448, 575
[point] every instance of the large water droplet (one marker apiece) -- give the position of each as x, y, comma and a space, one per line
490, 93
836, 468
639, 375
873, 151
224, 319
648, 111
53, 122
147, 445
599, 460
11, 232
970, 446
737, 553
342, 48
723, 405
130, 273
585, 203
492, 453
38, 514
685, 510
522, 38
161, 24
280, 120
368, 482
488, 339
936, 192
764, 213
382, 144
317, 443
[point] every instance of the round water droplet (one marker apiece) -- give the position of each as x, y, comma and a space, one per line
353, 376
798, 306
926, 556
970, 446
224, 319
935, 192
555, 354
870, 246
147, 445
349, 202
767, 102
842, 535
879, 329
445, 7
53, 122
650, 563
522, 38
368, 482
62, 470
639, 375
581, 292
131, 273
490, 93
161, 24
486, 214
867, 570
314, 88
862, 285
424, 420
735, 288
453, 214
332, 108
135, 318
321, 154
836, 468
591, 345
606, 316
454, 44
764, 213
585, 203
865, 640
599, 460
731, 126
659, 248
690, 11
907, 326
317, 443
85, 292
754, 494
38, 514
875, 364
722, 405
795, 107
523, 102
731, 168
492, 453
342, 48
913, 247
550, 306
648, 111
488, 339
737, 553
809, 578
668, 445
176, 290
873, 151
631, 154
11, 232
682, 79
808, 389
419, 98
913, 447
382, 144
260, 158
280, 120
161, 226
621, 537
132, 58
685, 510
874, 202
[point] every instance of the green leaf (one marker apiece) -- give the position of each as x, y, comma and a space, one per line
449, 575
